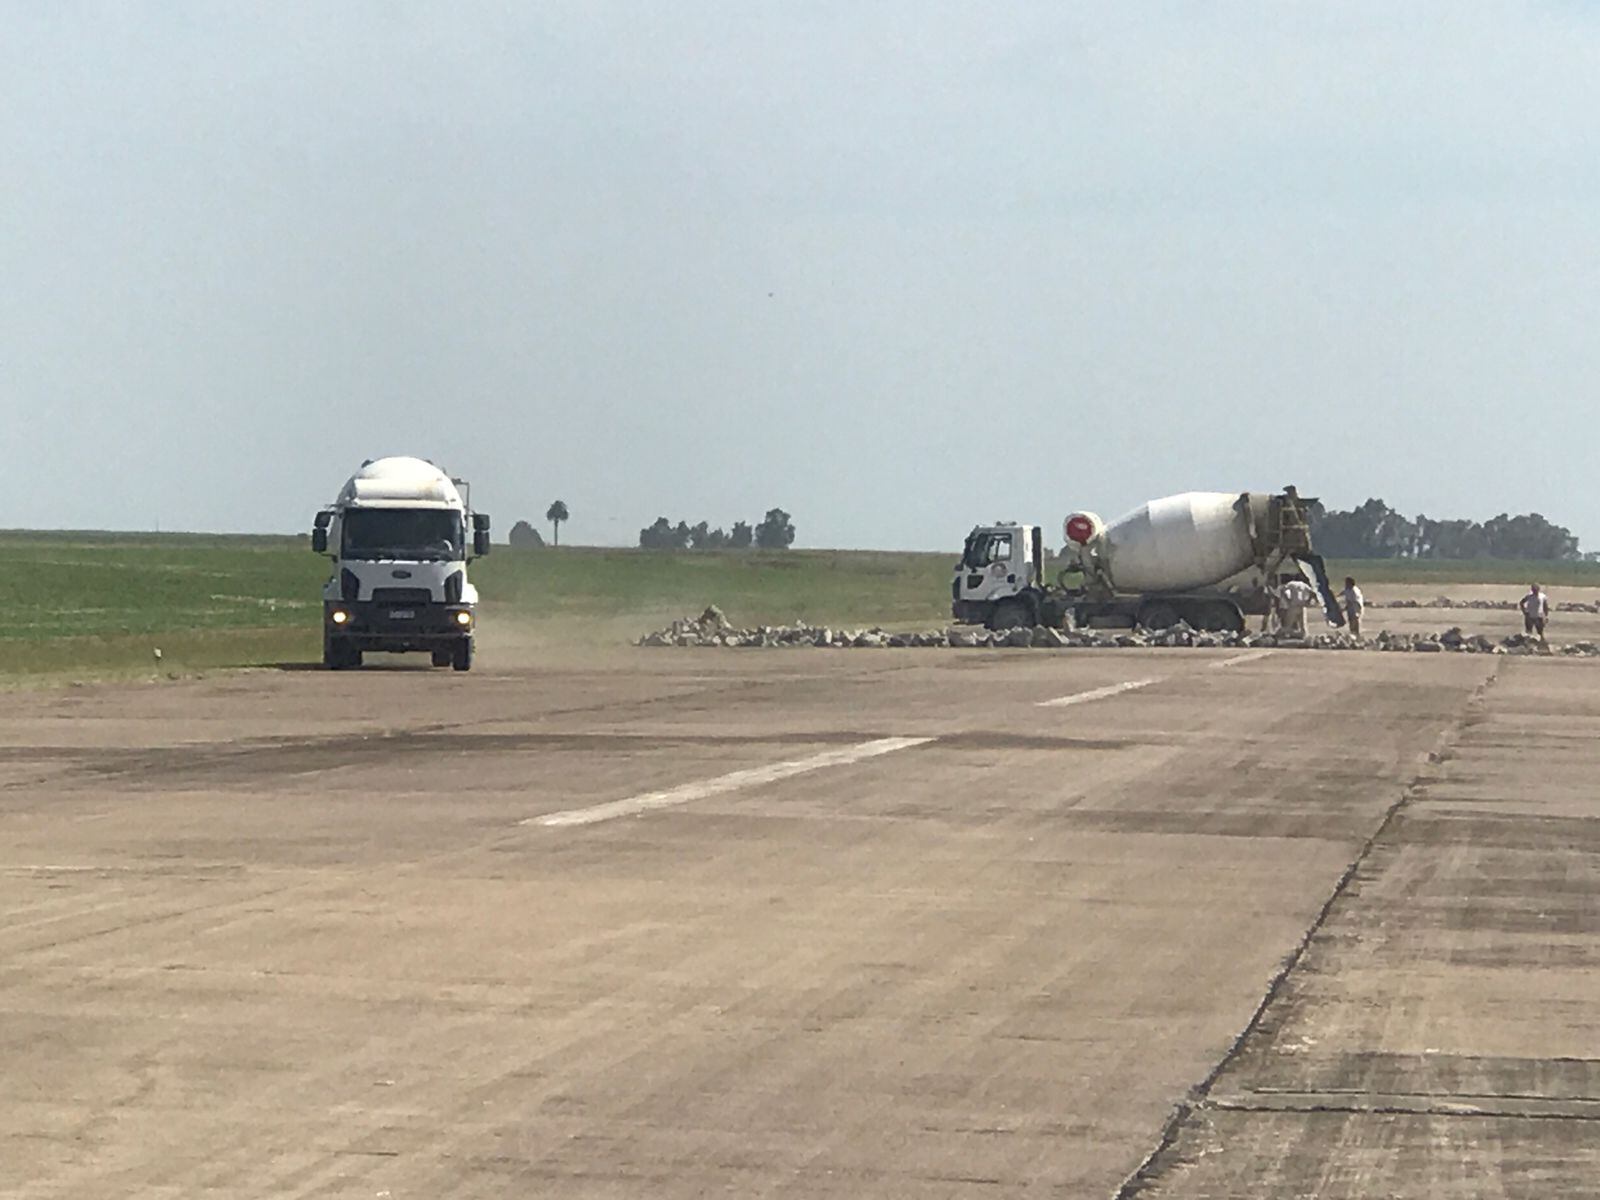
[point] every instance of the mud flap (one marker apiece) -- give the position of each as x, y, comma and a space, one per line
1330, 602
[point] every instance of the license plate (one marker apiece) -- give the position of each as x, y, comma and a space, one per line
402, 614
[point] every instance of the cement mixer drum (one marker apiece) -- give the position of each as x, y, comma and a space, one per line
1180, 542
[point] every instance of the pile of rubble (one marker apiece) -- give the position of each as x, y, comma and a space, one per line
1455, 641
712, 628
1567, 606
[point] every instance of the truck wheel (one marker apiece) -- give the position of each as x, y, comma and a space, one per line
1158, 614
443, 658
1011, 614
461, 660
1215, 616
338, 655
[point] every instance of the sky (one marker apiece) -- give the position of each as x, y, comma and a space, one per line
897, 267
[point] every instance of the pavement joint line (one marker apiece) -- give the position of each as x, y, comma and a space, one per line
1250, 656
1099, 693
1509, 1108
735, 781
65, 868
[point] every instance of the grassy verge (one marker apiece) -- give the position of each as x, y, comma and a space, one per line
132, 656
834, 586
98, 605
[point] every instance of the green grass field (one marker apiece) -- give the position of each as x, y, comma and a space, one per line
96, 605
836, 586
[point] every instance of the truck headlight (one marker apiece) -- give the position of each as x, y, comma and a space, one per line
339, 616
463, 618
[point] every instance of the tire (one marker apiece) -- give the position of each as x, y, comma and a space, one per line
338, 655
1011, 614
1214, 616
1158, 614
461, 660
443, 658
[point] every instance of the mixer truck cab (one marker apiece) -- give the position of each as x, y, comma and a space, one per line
400, 535
1000, 581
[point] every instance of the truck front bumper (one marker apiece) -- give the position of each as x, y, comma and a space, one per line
369, 625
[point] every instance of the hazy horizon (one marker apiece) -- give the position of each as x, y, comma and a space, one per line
896, 269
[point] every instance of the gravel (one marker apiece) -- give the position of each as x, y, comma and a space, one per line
1566, 606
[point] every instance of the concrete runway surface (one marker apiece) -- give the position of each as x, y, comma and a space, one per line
807, 923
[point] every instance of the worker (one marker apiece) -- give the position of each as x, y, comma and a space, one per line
1353, 602
1297, 597
1535, 611
1272, 619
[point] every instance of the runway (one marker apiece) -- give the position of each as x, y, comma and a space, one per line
807, 923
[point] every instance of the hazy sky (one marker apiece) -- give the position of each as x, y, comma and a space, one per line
896, 266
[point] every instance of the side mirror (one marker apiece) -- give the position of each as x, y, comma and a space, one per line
480, 533
319, 540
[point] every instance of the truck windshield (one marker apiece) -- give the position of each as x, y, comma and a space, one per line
413, 533
986, 548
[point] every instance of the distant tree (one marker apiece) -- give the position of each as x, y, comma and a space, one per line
657, 536
703, 537
775, 531
1450, 539
664, 535
1528, 537
556, 514
741, 536
524, 537
1374, 530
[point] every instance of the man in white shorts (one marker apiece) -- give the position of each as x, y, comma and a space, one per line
1535, 611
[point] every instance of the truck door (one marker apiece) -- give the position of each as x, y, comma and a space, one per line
994, 565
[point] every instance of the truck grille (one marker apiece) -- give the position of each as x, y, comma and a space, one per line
401, 595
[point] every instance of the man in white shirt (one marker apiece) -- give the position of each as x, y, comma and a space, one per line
1297, 597
1535, 611
1353, 602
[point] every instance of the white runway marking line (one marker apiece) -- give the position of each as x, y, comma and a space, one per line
750, 777
1100, 693
1241, 658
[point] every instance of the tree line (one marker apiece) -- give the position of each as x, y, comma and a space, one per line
775, 532
1374, 530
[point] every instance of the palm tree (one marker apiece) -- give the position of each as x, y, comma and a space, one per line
556, 514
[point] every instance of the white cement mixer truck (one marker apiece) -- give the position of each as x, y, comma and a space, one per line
400, 535
1204, 558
